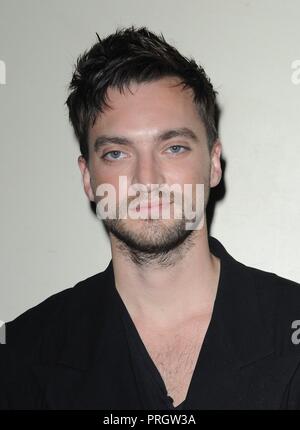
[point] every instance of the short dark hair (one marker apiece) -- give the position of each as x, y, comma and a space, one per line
132, 55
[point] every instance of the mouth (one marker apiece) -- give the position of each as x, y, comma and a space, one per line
153, 205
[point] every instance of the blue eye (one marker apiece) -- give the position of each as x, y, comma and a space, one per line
176, 149
114, 155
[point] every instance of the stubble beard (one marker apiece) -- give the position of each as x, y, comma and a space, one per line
151, 241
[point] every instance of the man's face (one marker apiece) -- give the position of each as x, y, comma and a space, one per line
139, 116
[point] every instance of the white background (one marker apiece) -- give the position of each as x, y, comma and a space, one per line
49, 238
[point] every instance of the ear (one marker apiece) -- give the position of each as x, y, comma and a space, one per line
83, 166
215, 169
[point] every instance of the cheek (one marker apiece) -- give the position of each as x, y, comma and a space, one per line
99, 174
118, 189
195, 169
190, 175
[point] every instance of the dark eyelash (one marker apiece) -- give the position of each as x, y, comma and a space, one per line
180, 146
109, 152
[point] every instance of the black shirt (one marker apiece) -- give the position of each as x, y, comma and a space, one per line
82, 356
152, 388
146, 373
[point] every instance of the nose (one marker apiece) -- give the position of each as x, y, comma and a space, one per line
147, 171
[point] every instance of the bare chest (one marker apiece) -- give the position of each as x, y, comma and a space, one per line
175, 355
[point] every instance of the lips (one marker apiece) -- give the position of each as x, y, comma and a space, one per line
150, 205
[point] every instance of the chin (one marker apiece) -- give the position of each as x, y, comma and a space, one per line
148, 235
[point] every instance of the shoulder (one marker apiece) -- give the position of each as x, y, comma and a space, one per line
278, 299
51, 317
275, 290
36, 339
271, 289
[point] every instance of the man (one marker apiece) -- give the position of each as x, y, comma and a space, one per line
174, 322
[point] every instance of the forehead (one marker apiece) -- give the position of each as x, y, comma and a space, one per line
153, 105
167, 88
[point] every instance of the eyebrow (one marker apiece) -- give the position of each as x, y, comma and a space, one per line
165, 135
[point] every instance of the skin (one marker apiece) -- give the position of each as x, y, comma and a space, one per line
157, 295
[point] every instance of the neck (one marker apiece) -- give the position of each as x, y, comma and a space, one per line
169, 295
